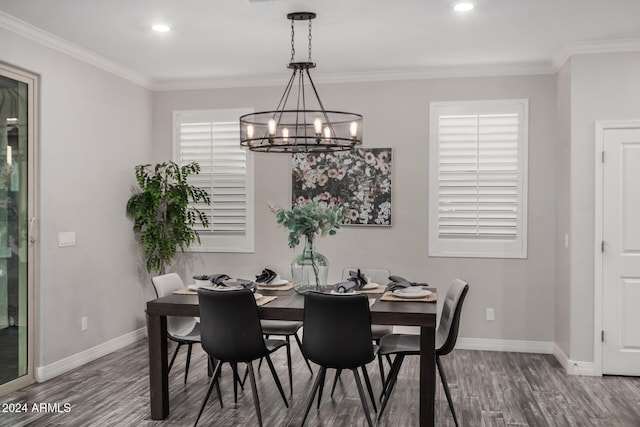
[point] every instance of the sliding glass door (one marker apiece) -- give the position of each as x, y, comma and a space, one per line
16, 220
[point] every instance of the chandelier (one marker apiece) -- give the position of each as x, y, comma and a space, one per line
300, 123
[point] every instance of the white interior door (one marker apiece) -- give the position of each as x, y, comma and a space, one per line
621, 256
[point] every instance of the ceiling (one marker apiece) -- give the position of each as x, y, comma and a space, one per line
236, 42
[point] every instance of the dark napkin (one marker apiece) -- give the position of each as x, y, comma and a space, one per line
266, 276
345, 287
398, 282
248, 284
358, 278
219, 279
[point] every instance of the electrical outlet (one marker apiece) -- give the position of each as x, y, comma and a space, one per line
84, 324
490, 314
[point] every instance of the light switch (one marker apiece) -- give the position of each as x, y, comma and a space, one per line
66, 238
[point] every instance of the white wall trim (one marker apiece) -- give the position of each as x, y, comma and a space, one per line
44, 373
594, 47
515, 346
573, 367
28, 31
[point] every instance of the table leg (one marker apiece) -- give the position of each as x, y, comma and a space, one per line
158, 367
427, 375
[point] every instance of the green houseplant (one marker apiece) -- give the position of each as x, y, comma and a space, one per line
309, 220
163, 221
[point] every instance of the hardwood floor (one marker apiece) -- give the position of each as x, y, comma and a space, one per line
488, 388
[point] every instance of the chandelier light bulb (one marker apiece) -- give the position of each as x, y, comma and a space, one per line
317, 126
353, 129
272, 127
327, 132
250, 131
285, 134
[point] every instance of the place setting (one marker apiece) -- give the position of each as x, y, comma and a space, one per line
401, 289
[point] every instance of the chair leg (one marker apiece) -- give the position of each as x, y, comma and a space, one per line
312, 393
254, 392
186, 369
381, 367
213, 363
365, 374
236, 380
391, 381
266, 337
443, 378
305, 357
335, 380
289, 364
173, 359
321, 387
363, 397
214, 380
276, 379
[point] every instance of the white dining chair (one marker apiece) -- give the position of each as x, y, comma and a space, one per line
182, 330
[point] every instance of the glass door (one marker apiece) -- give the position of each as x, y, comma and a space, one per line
16, 246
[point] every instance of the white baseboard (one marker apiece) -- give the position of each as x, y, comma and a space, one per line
44, 373
515, 346
574, 367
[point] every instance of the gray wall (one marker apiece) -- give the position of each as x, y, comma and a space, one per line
603, 87
93, 128
396, 115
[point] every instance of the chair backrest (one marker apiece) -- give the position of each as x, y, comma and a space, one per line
337, 330
447, 334
230, 325
165, 285
376, 275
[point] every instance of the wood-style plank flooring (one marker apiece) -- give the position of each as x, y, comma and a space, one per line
488, 388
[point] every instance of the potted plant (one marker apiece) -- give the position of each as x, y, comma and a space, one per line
309, 269
163, 221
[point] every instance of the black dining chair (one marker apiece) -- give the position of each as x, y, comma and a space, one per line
337, 335
381, 277
402, 345
181, 330
231, 332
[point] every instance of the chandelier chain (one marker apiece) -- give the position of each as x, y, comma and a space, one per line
293, 38
310, 41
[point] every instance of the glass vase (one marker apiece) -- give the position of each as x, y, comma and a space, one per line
310, 269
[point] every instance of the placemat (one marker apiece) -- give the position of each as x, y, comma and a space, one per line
379, 290
264, 300
284, 287
388, 296
185, 291
371, 302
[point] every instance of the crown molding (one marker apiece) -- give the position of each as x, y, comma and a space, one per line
460, 71
585, 48
28, 31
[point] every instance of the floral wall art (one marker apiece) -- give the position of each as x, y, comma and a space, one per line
360, 180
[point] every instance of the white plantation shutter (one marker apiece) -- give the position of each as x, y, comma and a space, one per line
212, 139
478, 162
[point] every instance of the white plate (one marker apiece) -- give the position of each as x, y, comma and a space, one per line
225, 288
334, 292
370, 285
257, 295
403, 293
278, 282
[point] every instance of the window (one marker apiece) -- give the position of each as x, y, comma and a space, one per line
212, 138
478, 179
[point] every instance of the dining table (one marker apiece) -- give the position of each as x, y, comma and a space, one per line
289, 305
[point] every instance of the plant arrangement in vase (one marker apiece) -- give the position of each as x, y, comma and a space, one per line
163, 221
309, 220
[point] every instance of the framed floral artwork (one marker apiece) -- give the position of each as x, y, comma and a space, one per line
360, 180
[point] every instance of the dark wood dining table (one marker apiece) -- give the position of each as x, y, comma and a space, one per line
289, 306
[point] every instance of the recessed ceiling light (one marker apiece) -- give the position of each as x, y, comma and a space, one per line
161, 28
463, 6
